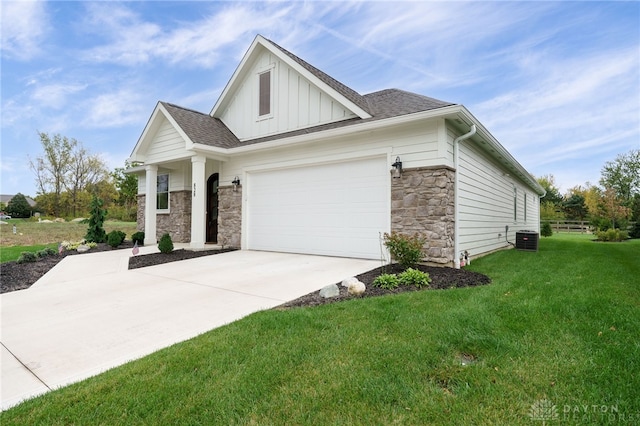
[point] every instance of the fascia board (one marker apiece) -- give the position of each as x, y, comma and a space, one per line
240, 69
135, 153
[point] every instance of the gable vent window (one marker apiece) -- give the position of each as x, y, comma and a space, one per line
264, 102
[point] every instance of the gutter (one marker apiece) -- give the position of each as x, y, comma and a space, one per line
456, 154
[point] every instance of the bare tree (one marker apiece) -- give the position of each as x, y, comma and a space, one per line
85, 169
51, 169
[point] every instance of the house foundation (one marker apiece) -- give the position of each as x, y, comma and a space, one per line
176, 223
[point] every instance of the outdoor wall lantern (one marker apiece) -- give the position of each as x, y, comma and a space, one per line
397, 172
235, 182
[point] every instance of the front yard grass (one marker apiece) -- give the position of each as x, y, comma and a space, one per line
560, 325
32, 235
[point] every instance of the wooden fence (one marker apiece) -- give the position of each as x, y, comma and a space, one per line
581, 226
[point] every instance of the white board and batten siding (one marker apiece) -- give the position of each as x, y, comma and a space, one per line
296, 102
486, 202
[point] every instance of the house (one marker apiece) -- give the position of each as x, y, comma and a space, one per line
5, 198
291, 160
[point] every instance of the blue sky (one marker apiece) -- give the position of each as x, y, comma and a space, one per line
557, 83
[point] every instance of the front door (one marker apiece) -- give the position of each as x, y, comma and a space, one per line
212, 208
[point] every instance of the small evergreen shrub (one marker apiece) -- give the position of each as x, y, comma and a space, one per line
27, 256
387, 281
405, 249
138, 237
165, 245
115, 238
546, 230
414, 277
635, 231
48, 251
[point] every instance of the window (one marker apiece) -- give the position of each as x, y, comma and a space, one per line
162, 189
264, 89
515, 204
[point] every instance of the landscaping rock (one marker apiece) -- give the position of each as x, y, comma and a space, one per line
356, 288
330, 291
348, 281
78, 219
82, 248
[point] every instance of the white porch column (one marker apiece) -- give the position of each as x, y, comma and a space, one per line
151, 191
198, 201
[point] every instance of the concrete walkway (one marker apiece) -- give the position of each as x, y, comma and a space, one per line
90, 314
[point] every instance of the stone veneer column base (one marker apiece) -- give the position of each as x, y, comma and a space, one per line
177, 223
422, 201
229, 216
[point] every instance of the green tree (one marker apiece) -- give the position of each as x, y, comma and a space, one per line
623, 176
127, 186
613, 208
548, 182
85, 169
18, 206
96, 232
574, 207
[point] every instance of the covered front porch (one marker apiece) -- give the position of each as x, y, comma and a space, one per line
187, 200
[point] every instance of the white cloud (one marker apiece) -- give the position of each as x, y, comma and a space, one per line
24, 26
116, 109
55, 95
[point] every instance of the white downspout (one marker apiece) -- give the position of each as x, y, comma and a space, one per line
456, 236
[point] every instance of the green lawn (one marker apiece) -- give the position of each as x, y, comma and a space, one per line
560, 325
13, 253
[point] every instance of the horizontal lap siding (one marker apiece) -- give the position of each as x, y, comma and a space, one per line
417, 146
486, 202
166, 144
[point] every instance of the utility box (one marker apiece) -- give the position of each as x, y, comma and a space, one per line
527, 240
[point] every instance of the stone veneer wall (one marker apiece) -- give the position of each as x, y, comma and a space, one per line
229, 216
423, 201
177, 222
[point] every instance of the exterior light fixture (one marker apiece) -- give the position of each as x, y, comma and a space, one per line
397, 172
235, 182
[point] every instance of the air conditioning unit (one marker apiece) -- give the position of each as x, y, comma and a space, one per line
527, 240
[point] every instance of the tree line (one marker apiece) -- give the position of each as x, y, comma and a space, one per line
68, 176
614, 203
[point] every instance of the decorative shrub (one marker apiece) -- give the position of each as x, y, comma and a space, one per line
115, 238
612, 235
414, 277
138, 237
405, 249
27, 256
95, 232
635, 231
546, 230
387, 281
165, 245
48, 251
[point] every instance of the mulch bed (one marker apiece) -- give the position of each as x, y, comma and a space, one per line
180, 254
441, 278
15, 276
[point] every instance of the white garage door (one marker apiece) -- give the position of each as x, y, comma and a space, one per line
336, 209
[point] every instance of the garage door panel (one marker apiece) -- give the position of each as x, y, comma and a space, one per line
332, 209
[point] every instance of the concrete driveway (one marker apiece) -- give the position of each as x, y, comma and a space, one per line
89, 313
